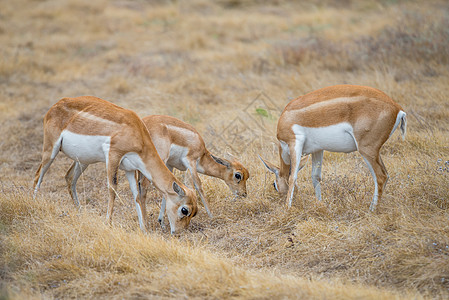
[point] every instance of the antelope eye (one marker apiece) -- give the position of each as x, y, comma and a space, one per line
275, 186
238, 176
184, 211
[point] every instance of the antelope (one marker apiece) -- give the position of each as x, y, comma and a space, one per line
180, 146
89, 130
341, 118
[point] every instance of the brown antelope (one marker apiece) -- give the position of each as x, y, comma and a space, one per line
341, 118
180, 146
90, 130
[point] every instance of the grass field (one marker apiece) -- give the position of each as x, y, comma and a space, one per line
228, 67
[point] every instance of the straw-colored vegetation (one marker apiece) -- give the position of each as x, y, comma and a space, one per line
209, 63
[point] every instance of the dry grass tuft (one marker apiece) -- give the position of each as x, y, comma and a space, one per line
74, 254
407, 38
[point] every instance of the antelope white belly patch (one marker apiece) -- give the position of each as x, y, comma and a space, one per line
177, 155
86, 149
131, 161
334, 138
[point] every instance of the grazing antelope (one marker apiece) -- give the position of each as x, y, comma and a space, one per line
341, 118
180, 146
90, 130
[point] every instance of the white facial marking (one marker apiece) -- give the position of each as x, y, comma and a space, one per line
86, 149
169, 208
334, 138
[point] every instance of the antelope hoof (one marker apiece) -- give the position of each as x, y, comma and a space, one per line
161, 222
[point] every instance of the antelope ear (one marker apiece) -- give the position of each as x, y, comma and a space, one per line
221, 161
178, 190
270, 167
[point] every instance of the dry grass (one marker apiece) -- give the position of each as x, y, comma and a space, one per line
68, 254
204, 62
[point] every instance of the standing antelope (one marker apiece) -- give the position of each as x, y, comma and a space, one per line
180, 146
90, 130
341, 118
